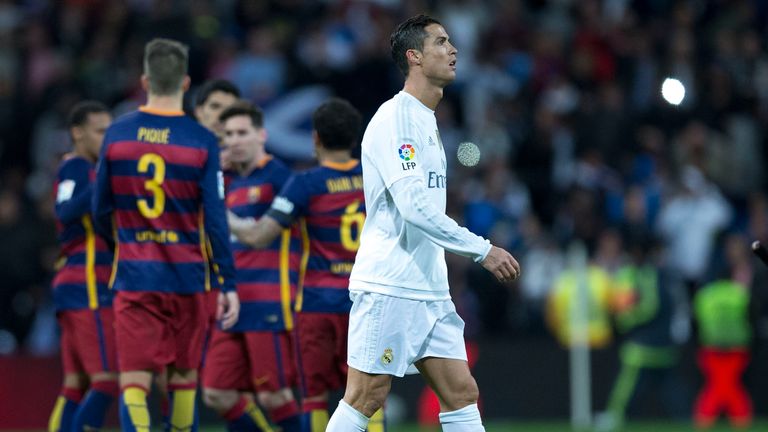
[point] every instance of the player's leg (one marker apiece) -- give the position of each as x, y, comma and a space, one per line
143, 347
706, 406
443, 364
101, 393
457, 392
380, 344
74, 383
187, 334
317, 357
134, 388
67, 402
96, 345
226, 371
282, 408
273, 368
739, 403
365, 394
161, 389
182, 389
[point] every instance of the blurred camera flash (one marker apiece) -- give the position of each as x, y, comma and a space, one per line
673, 91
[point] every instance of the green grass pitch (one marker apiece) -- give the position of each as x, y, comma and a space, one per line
662, 426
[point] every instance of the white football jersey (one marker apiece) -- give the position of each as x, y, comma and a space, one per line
395, 257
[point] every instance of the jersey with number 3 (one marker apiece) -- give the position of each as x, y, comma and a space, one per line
329, 202
158, 178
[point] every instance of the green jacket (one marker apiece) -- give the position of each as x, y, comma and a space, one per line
721, 309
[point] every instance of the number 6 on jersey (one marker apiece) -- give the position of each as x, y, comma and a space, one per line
351, 217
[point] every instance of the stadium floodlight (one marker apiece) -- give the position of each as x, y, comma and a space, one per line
673, 91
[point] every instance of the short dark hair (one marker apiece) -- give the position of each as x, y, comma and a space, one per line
410, 34
216, 85
337, 124
165, 63
79, 113
244, 108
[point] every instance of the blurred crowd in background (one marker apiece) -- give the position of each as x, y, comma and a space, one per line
561, 96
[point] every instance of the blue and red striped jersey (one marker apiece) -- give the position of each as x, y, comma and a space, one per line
330, 200
159, 179
266, 278
85, 259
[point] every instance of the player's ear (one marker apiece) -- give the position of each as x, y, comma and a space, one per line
316, 139
185, 83
413, 56
145, 82
264, 135
76, 132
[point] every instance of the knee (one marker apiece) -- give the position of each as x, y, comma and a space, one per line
367, 399
181, 377
219, 400
105, 383
271, 400
464, 394
74, 381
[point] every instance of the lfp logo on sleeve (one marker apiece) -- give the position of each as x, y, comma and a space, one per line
407, 153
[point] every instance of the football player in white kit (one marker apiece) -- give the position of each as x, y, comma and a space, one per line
402, 318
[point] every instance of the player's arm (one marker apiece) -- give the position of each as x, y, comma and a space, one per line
73, 195
215, 223
257, 234
285, 209
409, 195
405, 184
102, 204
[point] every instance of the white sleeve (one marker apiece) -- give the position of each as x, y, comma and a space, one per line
413, 204
396, 156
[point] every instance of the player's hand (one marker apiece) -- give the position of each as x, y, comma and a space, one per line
237, 225
228, 309
502, 264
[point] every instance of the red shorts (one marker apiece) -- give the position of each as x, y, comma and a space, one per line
155, 330
250, 361
322, 351
88, 340
212, 302
212, 299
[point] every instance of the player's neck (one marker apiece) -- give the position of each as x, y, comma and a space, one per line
426, 92
333, 156
165, 103
78, 151
258, 161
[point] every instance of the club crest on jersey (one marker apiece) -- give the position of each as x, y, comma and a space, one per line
408, 154
254, 193
388, 356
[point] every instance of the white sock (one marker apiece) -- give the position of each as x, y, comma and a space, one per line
466, 419
347, 419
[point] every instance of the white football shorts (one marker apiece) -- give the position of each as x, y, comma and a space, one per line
387, 335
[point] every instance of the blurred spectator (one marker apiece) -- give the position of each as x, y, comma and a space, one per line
722, 312
642, 307
689, 223
563, 307
22, 272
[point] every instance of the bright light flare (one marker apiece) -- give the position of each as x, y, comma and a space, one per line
673, 91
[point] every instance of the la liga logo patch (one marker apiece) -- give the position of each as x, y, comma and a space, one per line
406, 152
